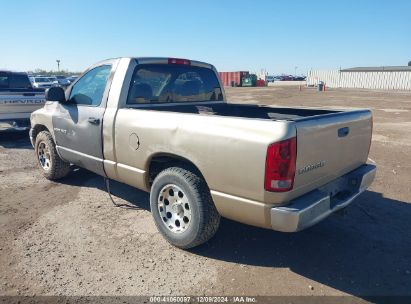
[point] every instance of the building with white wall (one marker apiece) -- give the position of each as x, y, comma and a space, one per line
384, 78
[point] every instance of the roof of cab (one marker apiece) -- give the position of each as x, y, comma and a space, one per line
12, 72
153, 60
164, 60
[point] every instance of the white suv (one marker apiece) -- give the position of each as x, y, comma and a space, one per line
41, 82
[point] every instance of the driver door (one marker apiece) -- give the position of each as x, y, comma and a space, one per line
78, 125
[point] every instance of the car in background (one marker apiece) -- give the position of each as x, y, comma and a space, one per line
71, 79
17, 100
62, 80
53, 80
287, 78
269, 78
41, 82
59, 80
299, 78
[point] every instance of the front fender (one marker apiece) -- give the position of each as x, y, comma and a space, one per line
42, 119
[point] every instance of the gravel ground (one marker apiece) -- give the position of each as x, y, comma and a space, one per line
66, 238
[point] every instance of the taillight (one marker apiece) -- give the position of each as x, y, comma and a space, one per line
178, 61
280, 165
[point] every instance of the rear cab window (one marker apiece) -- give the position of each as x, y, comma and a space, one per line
168, 83
19, 81
11, 80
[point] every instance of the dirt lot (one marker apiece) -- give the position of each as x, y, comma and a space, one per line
66, 238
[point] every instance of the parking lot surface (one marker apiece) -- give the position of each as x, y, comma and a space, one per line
66, 238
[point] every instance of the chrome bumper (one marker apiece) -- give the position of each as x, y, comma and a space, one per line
316, 205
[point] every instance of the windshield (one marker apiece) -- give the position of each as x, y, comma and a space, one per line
161, 83
41, 79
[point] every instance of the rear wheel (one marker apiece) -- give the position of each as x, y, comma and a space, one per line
182, 207
50, 163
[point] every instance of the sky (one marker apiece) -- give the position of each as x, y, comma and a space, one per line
276, 35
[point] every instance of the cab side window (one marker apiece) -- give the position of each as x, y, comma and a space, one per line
89, 89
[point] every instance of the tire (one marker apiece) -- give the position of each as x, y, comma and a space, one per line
198, 223
50, 163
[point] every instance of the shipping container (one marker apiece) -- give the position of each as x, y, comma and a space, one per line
235, 79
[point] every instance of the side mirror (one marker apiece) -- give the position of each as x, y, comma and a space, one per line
55, 94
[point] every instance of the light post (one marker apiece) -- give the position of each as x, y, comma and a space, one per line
58, 65
295, 71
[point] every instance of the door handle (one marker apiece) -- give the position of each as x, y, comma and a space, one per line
93, 120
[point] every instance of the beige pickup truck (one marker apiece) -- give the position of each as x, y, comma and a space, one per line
163, 125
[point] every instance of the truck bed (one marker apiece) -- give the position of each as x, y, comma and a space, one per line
330, 143
241, 110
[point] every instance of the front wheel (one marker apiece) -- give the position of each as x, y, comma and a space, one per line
182, 207
50, 163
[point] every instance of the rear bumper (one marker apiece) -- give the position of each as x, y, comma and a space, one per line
316, 205
14, 124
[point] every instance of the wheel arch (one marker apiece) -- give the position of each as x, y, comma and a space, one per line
161, 161
36, 130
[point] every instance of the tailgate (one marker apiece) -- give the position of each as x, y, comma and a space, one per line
19, 105
331, 145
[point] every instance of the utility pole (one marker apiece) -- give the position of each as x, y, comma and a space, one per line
295, 71
58, 65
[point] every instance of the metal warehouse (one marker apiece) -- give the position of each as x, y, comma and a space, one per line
385, 78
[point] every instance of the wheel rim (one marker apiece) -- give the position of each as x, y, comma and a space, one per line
43, 152
174, 208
